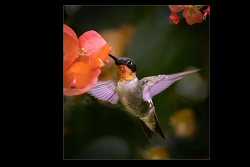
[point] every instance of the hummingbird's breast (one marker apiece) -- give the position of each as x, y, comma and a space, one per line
130, 95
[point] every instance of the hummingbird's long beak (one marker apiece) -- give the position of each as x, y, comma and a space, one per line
113, 57
117, 61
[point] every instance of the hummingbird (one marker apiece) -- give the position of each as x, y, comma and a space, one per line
134, 94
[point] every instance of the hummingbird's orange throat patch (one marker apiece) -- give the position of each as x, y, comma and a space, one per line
124, 73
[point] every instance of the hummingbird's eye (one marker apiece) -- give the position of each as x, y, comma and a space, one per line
129, 62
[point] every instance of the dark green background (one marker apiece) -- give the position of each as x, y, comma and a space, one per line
102, 130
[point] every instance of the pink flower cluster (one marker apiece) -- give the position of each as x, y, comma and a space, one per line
190, 13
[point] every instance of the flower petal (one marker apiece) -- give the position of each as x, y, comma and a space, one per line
103, 55
207, 10
97, 63
176, 8
205, 13
80, 72
70, 50
192, 18
92, 81
70, 32
184, 13
91, 41
174, 18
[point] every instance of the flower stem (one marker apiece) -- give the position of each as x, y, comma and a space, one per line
199, 7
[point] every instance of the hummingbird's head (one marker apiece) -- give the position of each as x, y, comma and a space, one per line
125, 67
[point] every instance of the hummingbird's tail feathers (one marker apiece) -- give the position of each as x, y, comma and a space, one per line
156, 84
158, 128
148, 132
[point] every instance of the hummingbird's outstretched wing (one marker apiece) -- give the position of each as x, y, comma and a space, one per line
105, 90
155, 84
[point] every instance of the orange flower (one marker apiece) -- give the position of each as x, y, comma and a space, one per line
82, 59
